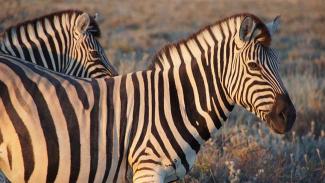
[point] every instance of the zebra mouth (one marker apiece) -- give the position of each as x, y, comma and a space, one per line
282, 116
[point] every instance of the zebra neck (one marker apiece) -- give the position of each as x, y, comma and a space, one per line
50, 33
196, 65
201, 96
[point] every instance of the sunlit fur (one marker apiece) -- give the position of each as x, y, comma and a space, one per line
52, 41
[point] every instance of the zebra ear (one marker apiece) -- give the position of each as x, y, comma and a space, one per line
246, 28
96, 17
274, 25
82, 23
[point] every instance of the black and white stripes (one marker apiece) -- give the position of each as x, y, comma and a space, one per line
63, 41
67, 129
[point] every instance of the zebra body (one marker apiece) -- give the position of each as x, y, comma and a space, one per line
64, 41
59, 128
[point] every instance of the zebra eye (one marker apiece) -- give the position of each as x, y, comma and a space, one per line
95, 54
253, 66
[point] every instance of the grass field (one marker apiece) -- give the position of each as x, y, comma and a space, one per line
244, 150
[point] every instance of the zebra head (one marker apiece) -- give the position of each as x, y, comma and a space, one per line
87, 49
256, 85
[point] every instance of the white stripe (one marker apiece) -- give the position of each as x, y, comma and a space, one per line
27, 43
31, 33
188, 151
141, 119
8, 45
51, 32
16, 43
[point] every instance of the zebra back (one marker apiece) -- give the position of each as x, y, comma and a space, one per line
64, 41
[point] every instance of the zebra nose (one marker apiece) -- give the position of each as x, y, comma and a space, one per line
283, 114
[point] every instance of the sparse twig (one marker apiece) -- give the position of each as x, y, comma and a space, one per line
213, 178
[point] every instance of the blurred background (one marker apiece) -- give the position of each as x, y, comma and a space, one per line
244, 150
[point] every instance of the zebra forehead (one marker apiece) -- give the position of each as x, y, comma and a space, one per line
94, 28
217, 27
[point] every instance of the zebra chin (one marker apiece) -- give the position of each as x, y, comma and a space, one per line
282, 115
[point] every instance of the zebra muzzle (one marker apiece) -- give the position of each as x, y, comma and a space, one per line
283, 114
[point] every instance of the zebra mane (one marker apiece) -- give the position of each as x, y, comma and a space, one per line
95, 31
259, 24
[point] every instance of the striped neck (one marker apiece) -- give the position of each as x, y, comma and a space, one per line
202, 62
40, 31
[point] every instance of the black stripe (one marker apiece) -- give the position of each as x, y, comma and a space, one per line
177, 117
94, 128
109, 129
156, 63
222, 62
198, 78
21, 130
165, 125
136, 112
150, 161
59, 41
64, 51
34, 48
123, 124
10, 39
151, 146
38, 47
9, 157
3, 48
227, 46
146, 112
1, 137
161, 144
190, 103
43, 47
154, 131
22, 45
169, 59
203, 59
52, 48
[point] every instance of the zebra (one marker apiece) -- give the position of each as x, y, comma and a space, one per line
63, 41
60, 128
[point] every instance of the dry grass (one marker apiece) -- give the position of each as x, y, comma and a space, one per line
244, 150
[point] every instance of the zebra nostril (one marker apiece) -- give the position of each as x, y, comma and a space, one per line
283, 116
